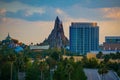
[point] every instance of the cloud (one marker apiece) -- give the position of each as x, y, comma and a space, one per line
108, 28
98, 3
39, 3
26, 31
24, 14
2, 11
78, 12
29, 12
35, 32
16, 6
111, 13
79, 9
68, 3
59, 11
2, 20
62, 14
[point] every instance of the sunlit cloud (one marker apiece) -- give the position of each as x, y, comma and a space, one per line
2, 19
2, 11
29, 12
111, 13
32, 21
26, 31
16, 6
59, 11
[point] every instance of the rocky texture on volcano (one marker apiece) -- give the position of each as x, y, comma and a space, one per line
56, 39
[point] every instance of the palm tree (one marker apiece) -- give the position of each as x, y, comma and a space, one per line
99, 55
42, 67
103, 70
11, 57
69, 69
20, 64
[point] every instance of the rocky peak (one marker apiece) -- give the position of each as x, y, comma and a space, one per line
57, 37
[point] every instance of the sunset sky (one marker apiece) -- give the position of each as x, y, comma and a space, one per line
32, 20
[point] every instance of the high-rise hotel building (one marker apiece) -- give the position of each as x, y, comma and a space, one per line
84, 37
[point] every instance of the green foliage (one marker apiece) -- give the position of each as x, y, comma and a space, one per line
106, 58
109, 56
118, 72
103, 69
90, 63
60, 73
5, 72
32, 73
99, 55
55, 54
69, 69
36, 70
114, 56
78, 73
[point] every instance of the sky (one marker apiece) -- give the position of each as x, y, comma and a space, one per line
32, 20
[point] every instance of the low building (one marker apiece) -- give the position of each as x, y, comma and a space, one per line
104, 52
91, 55
76, 58
12, 43
39, 48
112, 43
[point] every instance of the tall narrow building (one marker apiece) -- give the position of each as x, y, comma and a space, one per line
84, 37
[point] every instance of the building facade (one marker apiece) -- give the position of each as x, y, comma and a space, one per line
112, 43
84, 37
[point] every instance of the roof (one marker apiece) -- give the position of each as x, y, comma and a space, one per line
18, 49
39, 47
8, 37
94, 24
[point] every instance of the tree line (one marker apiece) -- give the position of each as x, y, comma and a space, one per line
35, 65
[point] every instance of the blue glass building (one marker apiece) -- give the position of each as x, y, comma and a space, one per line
112, 39
84, 37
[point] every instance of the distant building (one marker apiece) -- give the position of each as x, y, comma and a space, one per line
12, 43
39, 48
112, 39
84, 37
76, 58
112, 43
8, 40
91, 55
104, 52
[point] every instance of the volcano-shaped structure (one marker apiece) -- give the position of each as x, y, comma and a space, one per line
57, 38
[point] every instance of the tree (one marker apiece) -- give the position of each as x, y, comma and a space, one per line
11, 57
103, 70
90, 63
118, 72
42, 67
118, 56
5, 72
32, 72
78, 73
19, 62
59, 74
51, 62
69, 69
106, 58
99, 55
113, 56
55, 54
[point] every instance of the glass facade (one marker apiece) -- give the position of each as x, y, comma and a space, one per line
84, 37
112, 39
